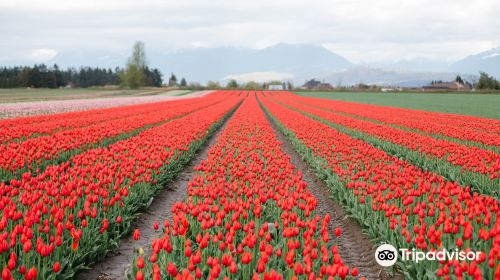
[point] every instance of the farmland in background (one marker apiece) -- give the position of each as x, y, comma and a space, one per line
43, 94
69, 100
481, 105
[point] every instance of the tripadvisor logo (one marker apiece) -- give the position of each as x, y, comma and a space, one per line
387, 255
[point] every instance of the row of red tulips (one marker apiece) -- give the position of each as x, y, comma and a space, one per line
398, 202
37, 153
248, 215
473, 159
72, 213
485, 131
21, 128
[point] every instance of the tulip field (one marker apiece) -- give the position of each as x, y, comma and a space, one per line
73, 183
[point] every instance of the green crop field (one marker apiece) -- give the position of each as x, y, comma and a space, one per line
482, 105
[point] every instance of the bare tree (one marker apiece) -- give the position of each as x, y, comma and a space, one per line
133, 76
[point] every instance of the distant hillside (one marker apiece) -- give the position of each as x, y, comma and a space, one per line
417, 64
387, 77
295, 61
488, 61
292, 61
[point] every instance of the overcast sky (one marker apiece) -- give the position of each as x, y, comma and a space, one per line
360, 30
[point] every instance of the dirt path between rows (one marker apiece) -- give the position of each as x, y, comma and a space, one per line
117, 265
355, 248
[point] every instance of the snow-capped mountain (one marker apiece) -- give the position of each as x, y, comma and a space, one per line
488, 61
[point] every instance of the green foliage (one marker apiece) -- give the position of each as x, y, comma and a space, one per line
213, 85
252, 86
232, 84
133, 76
487, 82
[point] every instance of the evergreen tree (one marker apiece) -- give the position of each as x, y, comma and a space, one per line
153, 77
172, 81
41, 76
183, 82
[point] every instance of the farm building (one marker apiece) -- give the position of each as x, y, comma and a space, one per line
447, 86
315, 84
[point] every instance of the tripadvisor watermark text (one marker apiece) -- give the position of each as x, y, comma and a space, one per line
387, 255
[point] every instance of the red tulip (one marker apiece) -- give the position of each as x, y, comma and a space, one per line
233, 268
11, 264
246, 258
6, 275
396, 192
140, 263
354, 272
298, 269
156, 272
56, 267
338, 231
137, 234
139, 275
172, 270
226, 205
31, 274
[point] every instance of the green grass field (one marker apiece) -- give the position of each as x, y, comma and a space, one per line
28, 95
481, 105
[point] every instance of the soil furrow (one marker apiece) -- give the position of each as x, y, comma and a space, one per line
355, 247
117, 265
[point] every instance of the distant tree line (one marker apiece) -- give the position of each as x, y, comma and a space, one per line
251, 85
172, 82
43, 76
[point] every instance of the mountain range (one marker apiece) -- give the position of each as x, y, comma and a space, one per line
391, 77
291, 62
488, 61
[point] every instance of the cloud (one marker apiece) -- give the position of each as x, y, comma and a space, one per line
43, 55
259, 77
361, 30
